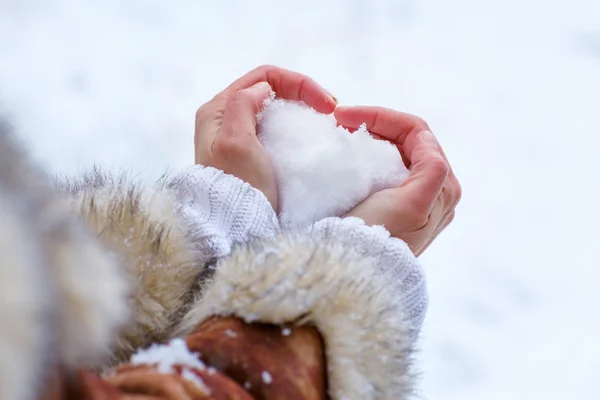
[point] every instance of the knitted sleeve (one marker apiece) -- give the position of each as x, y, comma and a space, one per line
393, 258
221, 210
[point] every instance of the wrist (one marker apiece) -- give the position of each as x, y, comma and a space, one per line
391, 257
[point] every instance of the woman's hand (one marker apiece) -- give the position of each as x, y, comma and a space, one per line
225, 136
422, 206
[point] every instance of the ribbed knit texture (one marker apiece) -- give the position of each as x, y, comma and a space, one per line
221, 210
393, 258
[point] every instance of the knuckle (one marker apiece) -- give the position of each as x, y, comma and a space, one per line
417, 216
439, 167
228, 147
201, 113
241, 97
419, 124
419, 222
240, 100
243, 102
222, 146
264, 70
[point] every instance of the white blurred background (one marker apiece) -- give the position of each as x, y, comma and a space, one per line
510, 87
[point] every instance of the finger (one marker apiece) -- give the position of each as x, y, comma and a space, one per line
447, 220
209, 118
400, 128
452, 188
239, 119
392, 125
444, 224
428, 174
435, 218
289, 85
451, 192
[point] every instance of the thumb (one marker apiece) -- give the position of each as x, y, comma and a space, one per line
240, 117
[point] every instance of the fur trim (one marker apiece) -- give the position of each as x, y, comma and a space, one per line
88, 288
27, 331
141, 226
367, 339
25, 302
91, 290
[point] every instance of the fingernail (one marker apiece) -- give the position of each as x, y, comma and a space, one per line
429, 138
262, 86
333, 98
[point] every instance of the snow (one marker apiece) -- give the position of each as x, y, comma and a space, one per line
165, 357
323, 170
266, 377
192, 377
510, 88
230, 333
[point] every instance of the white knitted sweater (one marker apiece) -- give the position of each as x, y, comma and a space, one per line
222, 210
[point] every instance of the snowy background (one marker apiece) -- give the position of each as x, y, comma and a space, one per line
510, 87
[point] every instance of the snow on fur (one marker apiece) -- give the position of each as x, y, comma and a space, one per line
323, 170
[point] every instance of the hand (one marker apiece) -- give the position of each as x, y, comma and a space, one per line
423, 205
225, 136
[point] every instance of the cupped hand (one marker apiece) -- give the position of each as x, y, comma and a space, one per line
225, 134
422, 206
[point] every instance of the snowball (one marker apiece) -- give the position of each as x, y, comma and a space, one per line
167, 356
323, 170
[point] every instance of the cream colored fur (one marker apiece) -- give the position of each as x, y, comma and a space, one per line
142, 229
25, 301
63, 296
291, 278
91, 289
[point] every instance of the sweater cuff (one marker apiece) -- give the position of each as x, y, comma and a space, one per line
393, 258
221, 210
